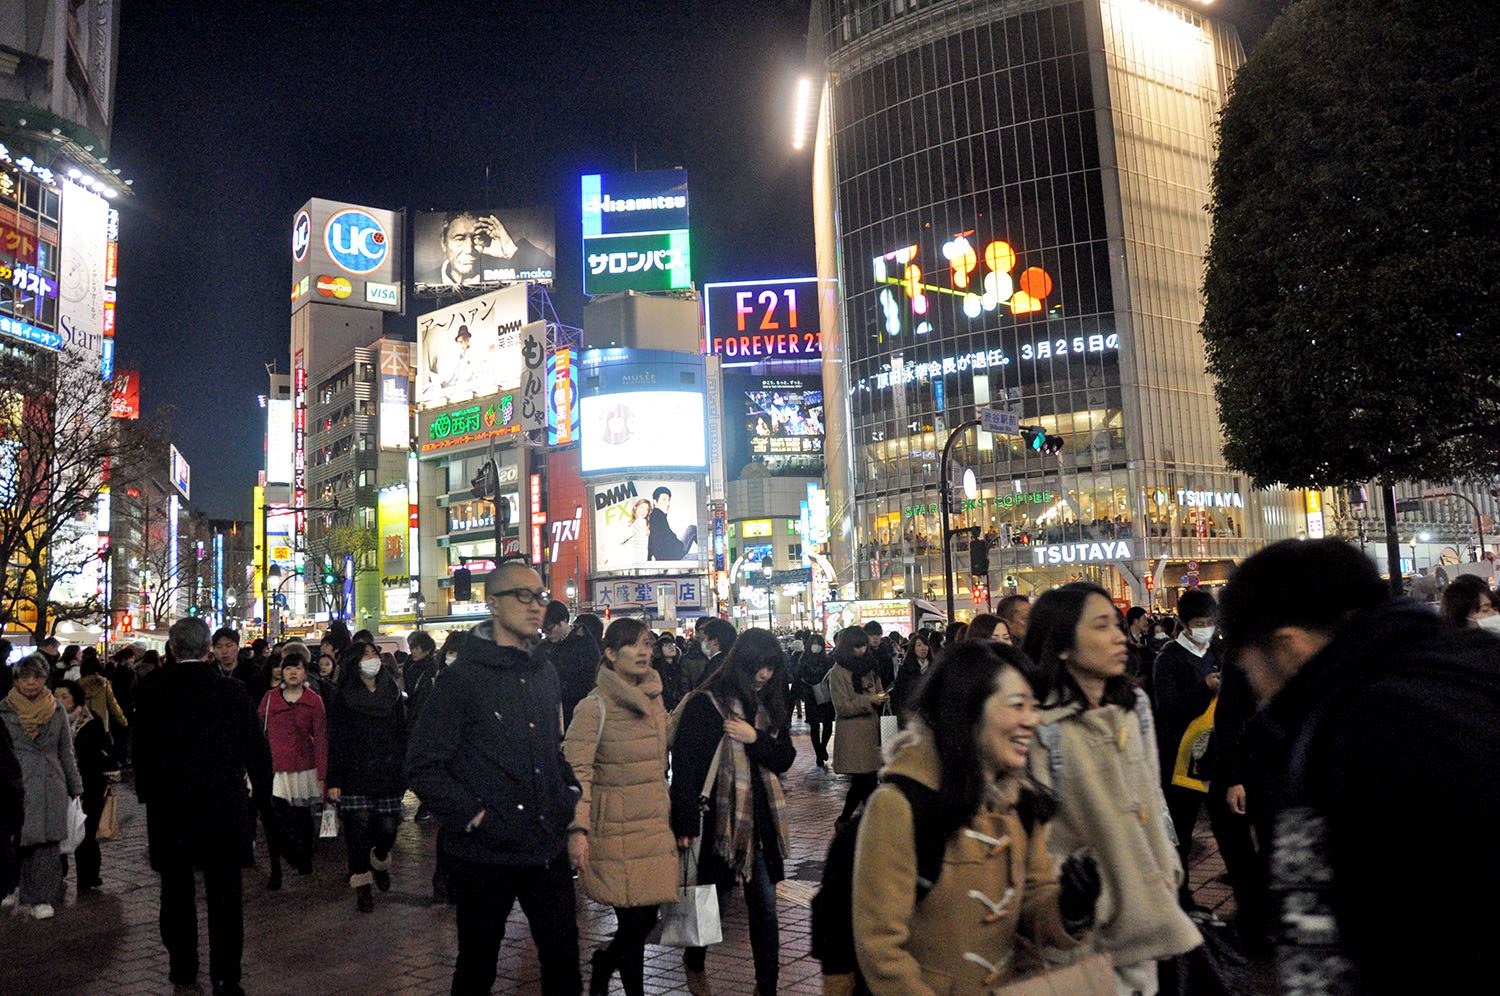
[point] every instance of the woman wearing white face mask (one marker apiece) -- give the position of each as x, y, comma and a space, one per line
1185, 682
366, 755
1469, 602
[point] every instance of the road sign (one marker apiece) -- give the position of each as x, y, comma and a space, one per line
1405, 505
999, 421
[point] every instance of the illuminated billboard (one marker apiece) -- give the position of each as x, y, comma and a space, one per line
642, 409
395, 412
756, 321
635, 232
81, 285
472, 251
347, 254
645, 523
125, 395
471, 349
562, 397
280, 441
181, 472
784, 423
393, 518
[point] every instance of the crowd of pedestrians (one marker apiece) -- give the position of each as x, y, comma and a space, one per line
1022, 793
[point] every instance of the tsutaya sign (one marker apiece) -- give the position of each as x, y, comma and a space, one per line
1082, 553
1210, 499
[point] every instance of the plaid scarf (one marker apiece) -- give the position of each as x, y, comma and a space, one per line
734, 798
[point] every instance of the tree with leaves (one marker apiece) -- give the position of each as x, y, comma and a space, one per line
59, 447
1350, 317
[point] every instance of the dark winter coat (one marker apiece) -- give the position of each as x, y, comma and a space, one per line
694, 666
196, 739
94, 753
1386, 754
490, 740
1179, 683
698, 734
419, 676
576, 660
367, 738
12, 789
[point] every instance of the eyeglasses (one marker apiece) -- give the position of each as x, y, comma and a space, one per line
524, 595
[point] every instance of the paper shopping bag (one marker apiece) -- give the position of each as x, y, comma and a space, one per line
330, 825
692, 921
889, 726
109, 818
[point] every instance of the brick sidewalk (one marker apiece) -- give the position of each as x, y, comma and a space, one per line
307, 938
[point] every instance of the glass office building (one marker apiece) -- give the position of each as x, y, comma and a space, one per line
1011, 196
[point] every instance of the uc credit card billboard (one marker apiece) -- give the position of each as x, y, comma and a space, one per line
347, 254
635, 232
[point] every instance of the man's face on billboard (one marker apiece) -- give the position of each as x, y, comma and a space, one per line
463, 244
664, 501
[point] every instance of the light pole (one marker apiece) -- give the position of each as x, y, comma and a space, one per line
768, 568
945, 491
420, 604
572, 597
273, 599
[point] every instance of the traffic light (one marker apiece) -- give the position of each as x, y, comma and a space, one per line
192, 610
979, 557
463, 584
127, 623
1038, 441
328, 576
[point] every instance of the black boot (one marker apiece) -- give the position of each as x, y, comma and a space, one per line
364, 899
274, 882
601, 967
380, 868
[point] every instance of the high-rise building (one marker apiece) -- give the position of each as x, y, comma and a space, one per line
1011, 197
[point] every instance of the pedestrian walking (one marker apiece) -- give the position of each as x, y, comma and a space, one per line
295, 723
1185, 680
811, 667
1239, 807
99, 697
65, 668
1383, 750
858, 699
486, 758
198, 744
883, 653
718, 637
93, 752
1015, 611
963, 756
576, 660
1096, 750
740, 829
621, 837
1468, 601
666, 661
366, 766
914, 666
694, 658
989, 627
43, 743
555, 629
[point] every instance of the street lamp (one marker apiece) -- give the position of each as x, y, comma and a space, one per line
572, 591
768, 568
420, 605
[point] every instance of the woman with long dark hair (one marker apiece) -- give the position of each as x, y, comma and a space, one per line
919, 656
621, 837
1096, 750
963, 757
666, 661
737, 720
366, 759
810, 667
858, 699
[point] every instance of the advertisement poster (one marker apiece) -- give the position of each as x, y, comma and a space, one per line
784, 416
471, 349
392, 513
635, 231
662, 429
481, 249
646, 523
181, 473
125, 397
80, 306
395, 416
280, 440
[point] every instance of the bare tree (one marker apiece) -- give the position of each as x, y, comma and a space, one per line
59, 447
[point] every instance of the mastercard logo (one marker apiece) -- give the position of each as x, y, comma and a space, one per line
338, 287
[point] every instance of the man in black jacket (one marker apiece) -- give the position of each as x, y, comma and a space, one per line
1385, 754
486, 758
196, 741
1185, 680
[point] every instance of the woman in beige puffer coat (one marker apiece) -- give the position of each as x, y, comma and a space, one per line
621, 838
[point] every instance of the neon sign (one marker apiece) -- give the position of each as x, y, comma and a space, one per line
761, 320
1082, 553
985, 359
471, 424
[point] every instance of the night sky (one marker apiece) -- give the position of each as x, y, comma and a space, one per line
229, 116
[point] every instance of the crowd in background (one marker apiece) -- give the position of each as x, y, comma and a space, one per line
1022, 790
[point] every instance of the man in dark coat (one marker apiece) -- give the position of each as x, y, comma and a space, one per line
1185, 680
486, 759
694, 660
576, 661
1385, 754
196, 740
12, 807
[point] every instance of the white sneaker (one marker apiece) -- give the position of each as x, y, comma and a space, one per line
41, 912
11, 901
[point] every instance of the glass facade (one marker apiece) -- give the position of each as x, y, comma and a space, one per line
1017, 194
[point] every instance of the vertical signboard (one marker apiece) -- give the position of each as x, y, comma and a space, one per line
1314, 505
181, 472
125, 396
394, 523
395, 412
280, 441
562, 398
533, 391
299, 440
80, 306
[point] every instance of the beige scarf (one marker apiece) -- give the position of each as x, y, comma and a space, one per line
33, 713
735, 801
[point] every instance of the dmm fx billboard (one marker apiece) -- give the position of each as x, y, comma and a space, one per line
755, 321
635, 232
348, 255
471, 349
645, 523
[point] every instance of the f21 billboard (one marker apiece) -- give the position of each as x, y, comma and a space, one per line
347, 255
471, 251
635, 232
762, 321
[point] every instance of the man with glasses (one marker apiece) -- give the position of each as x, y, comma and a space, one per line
486, 760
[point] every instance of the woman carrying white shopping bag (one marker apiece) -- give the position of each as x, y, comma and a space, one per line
621, 838
740, 824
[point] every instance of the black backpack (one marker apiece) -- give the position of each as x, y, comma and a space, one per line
833, 905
